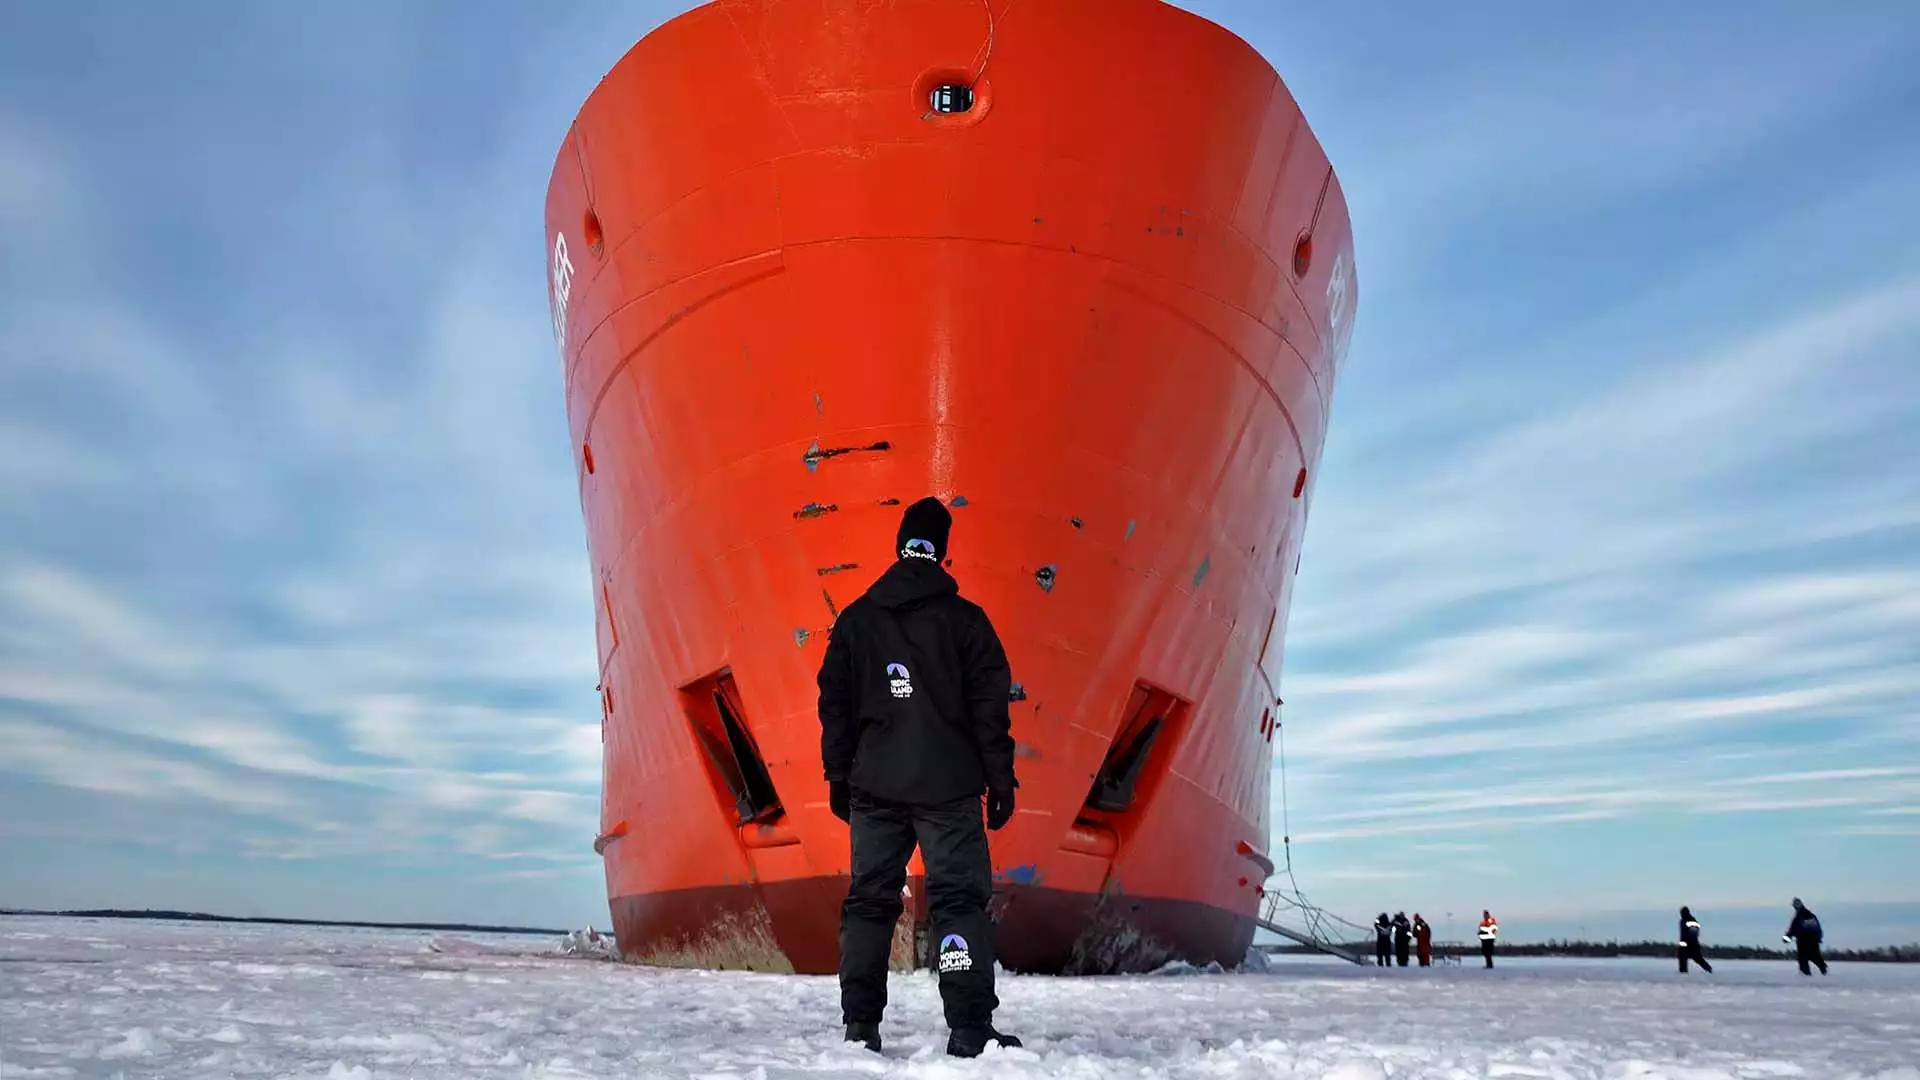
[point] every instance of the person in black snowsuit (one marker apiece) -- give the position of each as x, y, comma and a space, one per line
1804, 931
1382, 940
1402, 937
914, 729
1690, 943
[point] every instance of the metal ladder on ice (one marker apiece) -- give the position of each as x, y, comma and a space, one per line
1320, 925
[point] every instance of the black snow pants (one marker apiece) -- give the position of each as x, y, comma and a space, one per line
1692, 952
953, 844
1809, 950
1486, 950
1382, 948
1400, 951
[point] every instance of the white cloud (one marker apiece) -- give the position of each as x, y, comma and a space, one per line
1348, 874
1870, 772
1625, 481
342, 660
1879, 830
1671, 592
218, 730
32, 178
74, 760
592, 870
1529, 145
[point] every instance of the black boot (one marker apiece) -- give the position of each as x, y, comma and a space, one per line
968, 1042
865, 1032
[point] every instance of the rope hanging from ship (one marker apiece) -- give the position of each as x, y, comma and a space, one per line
1291, 903
986, 49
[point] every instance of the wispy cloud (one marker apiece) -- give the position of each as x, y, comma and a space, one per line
1610, 562
1348, 874
281, 543
1879, 830
1578, 599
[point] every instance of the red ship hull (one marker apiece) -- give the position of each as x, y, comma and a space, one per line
1100, 312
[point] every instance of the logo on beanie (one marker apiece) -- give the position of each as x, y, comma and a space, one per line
902, 682
919, 549
954, 955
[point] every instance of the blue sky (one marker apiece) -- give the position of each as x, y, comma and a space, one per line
1610, 600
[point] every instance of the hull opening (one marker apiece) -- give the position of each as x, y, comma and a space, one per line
1150, 712
733, 757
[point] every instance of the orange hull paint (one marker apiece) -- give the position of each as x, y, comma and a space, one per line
1100, 313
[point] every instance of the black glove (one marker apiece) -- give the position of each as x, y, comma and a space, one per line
838, 794
999, 807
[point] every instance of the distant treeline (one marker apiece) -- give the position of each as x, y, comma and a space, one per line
1884, 954
198, 916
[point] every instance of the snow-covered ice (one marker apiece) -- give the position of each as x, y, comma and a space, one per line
105, 998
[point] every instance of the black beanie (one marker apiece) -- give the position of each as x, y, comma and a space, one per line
928, 522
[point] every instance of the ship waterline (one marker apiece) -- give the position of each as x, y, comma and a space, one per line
1080, 269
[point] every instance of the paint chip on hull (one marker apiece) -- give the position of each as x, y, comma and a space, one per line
1200, 575
1045, 576
814, 510
1028, 874
815, 455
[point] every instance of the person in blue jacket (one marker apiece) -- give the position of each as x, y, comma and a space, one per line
1804, 931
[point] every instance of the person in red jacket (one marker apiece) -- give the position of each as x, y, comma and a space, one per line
1489, 933
1423, 940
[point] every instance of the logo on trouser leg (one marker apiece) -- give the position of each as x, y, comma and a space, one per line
954, 955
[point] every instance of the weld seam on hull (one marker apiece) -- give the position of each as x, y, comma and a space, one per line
648, 339
671, 321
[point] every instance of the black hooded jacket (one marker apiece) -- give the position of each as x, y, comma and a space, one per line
1805, 926
913, 692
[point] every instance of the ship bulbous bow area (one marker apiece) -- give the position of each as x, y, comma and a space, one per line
1081, 270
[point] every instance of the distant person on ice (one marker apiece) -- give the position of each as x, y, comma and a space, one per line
914, 729
1489, 933
1423, 940
1804, 932
1690, 943
1382, 940
1402, 937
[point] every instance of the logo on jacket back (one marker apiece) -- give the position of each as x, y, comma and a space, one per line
919, 549
954, 955
901, 681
